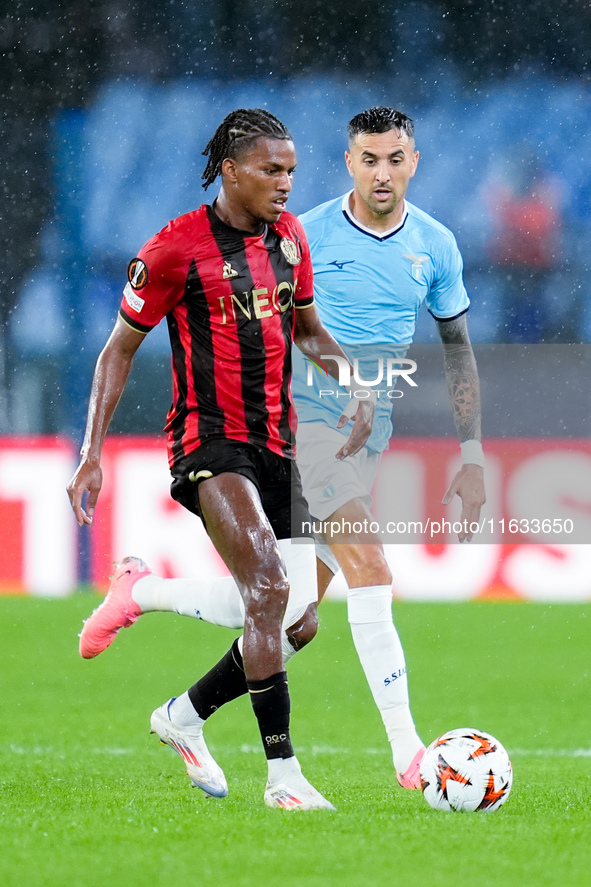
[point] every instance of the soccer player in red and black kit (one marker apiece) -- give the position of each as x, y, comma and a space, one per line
234, 281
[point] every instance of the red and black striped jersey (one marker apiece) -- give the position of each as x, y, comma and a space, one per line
229, 298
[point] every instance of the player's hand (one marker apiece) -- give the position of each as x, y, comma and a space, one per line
87, 479
468, 484
361, 411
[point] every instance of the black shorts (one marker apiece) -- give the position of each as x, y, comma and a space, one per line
276, 478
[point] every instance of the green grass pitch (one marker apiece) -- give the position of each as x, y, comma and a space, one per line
89, 799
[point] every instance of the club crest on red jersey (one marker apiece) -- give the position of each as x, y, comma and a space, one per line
290, 251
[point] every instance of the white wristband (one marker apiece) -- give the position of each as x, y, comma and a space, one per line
472, 453
364, 391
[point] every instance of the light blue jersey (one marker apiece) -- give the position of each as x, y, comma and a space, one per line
368, 290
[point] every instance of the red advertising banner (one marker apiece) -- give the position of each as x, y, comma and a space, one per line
136, 516
38, 553
533, 540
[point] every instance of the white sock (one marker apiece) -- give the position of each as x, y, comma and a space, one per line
282, 769
382, 658
213, 600
218, 600
183, 713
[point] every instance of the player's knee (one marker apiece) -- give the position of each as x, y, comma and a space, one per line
266, 597
383, 573
304, 630
368, 567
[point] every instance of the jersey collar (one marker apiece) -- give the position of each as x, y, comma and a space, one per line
357, 224
217, 222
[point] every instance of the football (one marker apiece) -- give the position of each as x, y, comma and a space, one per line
466, 770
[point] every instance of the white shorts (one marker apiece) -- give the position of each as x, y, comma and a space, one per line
330, 483
299, 556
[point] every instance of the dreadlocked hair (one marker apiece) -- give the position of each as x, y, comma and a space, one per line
237, 133
380, 119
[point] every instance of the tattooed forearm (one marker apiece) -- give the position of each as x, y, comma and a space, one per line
464, 390
461, 375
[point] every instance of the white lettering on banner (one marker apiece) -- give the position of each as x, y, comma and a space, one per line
38, 478
149, 524
458, 572
555, 484
558, 573
402, 481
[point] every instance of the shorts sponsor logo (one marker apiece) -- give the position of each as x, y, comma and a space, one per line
132, 299
196, 476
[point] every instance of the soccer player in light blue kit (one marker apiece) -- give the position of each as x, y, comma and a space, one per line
376, 259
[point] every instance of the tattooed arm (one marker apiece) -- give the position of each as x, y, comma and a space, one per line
461, 375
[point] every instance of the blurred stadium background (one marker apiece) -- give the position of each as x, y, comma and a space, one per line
106, 107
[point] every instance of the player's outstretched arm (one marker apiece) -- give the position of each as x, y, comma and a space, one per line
461, 374
110, 376
314, 340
